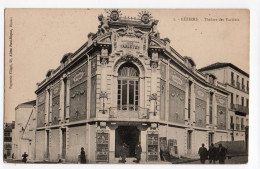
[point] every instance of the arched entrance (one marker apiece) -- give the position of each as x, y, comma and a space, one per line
129, 135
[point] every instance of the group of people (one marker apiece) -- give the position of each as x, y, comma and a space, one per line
138, 151
213, 154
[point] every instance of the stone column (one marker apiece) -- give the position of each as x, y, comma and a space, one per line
67, 116
112, 138
103, 95
193, 106
50, 113
214, 111
61, 108
47, 106
154, 75
187, 101
207, 109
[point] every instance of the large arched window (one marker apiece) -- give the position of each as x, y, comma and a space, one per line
128, 87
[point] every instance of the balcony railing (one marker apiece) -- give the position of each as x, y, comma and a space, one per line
243, 88
237, 127
242, 127
232, 126
238, 85
239, 108
129, 112
233, 82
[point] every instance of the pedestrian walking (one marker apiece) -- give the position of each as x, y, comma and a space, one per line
212, 154
203, 152
123, 152
82, 156
24, 157
222, 152
138, 151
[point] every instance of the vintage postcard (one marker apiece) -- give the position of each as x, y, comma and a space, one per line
126, 86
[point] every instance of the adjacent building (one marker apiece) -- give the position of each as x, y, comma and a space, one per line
236, 81
24, 130
126, 84
8, 139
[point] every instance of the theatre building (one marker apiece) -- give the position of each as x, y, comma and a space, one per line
127, 85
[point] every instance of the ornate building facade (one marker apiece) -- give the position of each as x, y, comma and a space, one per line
127, 85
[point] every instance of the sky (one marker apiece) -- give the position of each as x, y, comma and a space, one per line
40, 37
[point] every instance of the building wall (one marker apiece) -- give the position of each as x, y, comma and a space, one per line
40, 145
77, 139
54, 144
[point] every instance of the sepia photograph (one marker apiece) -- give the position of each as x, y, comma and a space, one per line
126, 86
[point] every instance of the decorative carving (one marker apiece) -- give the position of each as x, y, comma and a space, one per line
103, 27
78, 92
78, 76
130, 31
221, 100
78, 102
200, 110
154, 63
145, 17
103, 95
93, 66
114, 14
153, 97
163, 71
177, 79
103, 60
221, 117
154, 31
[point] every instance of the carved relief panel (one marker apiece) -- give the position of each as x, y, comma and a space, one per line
221, 117
78, 76
78, 102
41, 109
176, 105
201, 93
177, 79
200, 105
200, 112
221, 100
130, 41
163, 71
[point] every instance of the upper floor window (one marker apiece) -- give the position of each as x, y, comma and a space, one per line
231, 98
247, 103
232, 79
210, 108
242, 101
247, 86
237, 99
128, 87
189, 100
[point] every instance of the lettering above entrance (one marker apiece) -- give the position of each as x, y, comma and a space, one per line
130, 40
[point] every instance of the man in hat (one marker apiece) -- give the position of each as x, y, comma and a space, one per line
24, 157
212, 153
123, 152
138, 151
82, 156
222, 152
203, 152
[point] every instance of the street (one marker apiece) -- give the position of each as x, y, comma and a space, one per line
233, 160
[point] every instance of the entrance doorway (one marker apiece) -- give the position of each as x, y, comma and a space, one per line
129, 135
